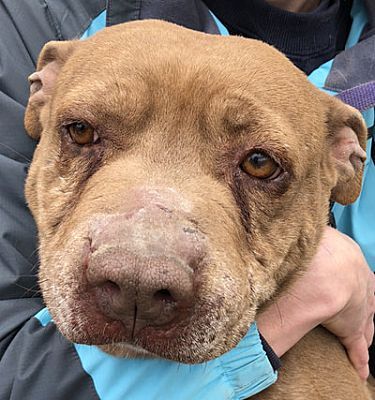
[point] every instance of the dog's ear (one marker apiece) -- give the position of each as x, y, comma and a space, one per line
51, 59
347, 143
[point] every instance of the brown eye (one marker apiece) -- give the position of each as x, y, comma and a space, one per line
82, 133
261, 166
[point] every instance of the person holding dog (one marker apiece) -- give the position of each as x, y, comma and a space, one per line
337, 289
332, 26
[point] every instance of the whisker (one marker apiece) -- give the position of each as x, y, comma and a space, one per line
35, 266
34, 252
29, 290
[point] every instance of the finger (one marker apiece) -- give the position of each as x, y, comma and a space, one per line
369, 330
372, 290
358, 355
364, 372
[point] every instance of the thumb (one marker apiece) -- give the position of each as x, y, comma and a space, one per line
358, 354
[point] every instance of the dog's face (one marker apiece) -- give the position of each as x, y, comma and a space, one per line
180, 180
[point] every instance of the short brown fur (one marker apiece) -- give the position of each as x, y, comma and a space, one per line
176, 112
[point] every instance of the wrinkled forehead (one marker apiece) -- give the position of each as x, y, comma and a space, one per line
244, 85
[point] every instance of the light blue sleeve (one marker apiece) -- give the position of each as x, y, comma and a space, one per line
236, 375
96, 25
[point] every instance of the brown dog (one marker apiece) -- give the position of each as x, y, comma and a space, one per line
181, 181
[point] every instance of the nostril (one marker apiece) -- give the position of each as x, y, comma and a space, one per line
164, 295
111, 287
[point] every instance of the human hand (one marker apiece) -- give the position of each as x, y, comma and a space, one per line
354, 303
337, 291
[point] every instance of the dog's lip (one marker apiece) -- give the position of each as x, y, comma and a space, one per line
149, 339
99, 334
98, 329
152, 338
177, 342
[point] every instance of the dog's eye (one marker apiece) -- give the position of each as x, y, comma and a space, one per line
261, 166
82, 133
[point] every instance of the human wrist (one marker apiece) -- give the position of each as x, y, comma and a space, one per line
284, 323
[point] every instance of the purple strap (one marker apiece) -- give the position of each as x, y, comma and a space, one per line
361, 97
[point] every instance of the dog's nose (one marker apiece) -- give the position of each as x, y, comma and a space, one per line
141, 266
142, 291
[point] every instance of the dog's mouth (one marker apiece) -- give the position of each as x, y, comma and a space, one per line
188, 332
193, 339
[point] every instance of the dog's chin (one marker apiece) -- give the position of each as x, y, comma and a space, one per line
113, 338
126, 350
190, 343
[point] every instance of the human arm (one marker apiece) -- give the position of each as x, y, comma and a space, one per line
337, 291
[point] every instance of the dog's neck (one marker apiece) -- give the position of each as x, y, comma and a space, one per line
296, 6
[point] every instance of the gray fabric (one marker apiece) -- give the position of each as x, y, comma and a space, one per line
122, 11
192, 14
15, 312
19, 48
370, 28
33, 361
353, 67
25, 26
71, 18
40, 364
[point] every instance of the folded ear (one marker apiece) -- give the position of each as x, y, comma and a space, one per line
347, 144
42, 82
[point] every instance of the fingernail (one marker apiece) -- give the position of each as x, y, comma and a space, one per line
364, 373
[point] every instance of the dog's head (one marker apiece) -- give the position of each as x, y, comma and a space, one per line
180, 180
